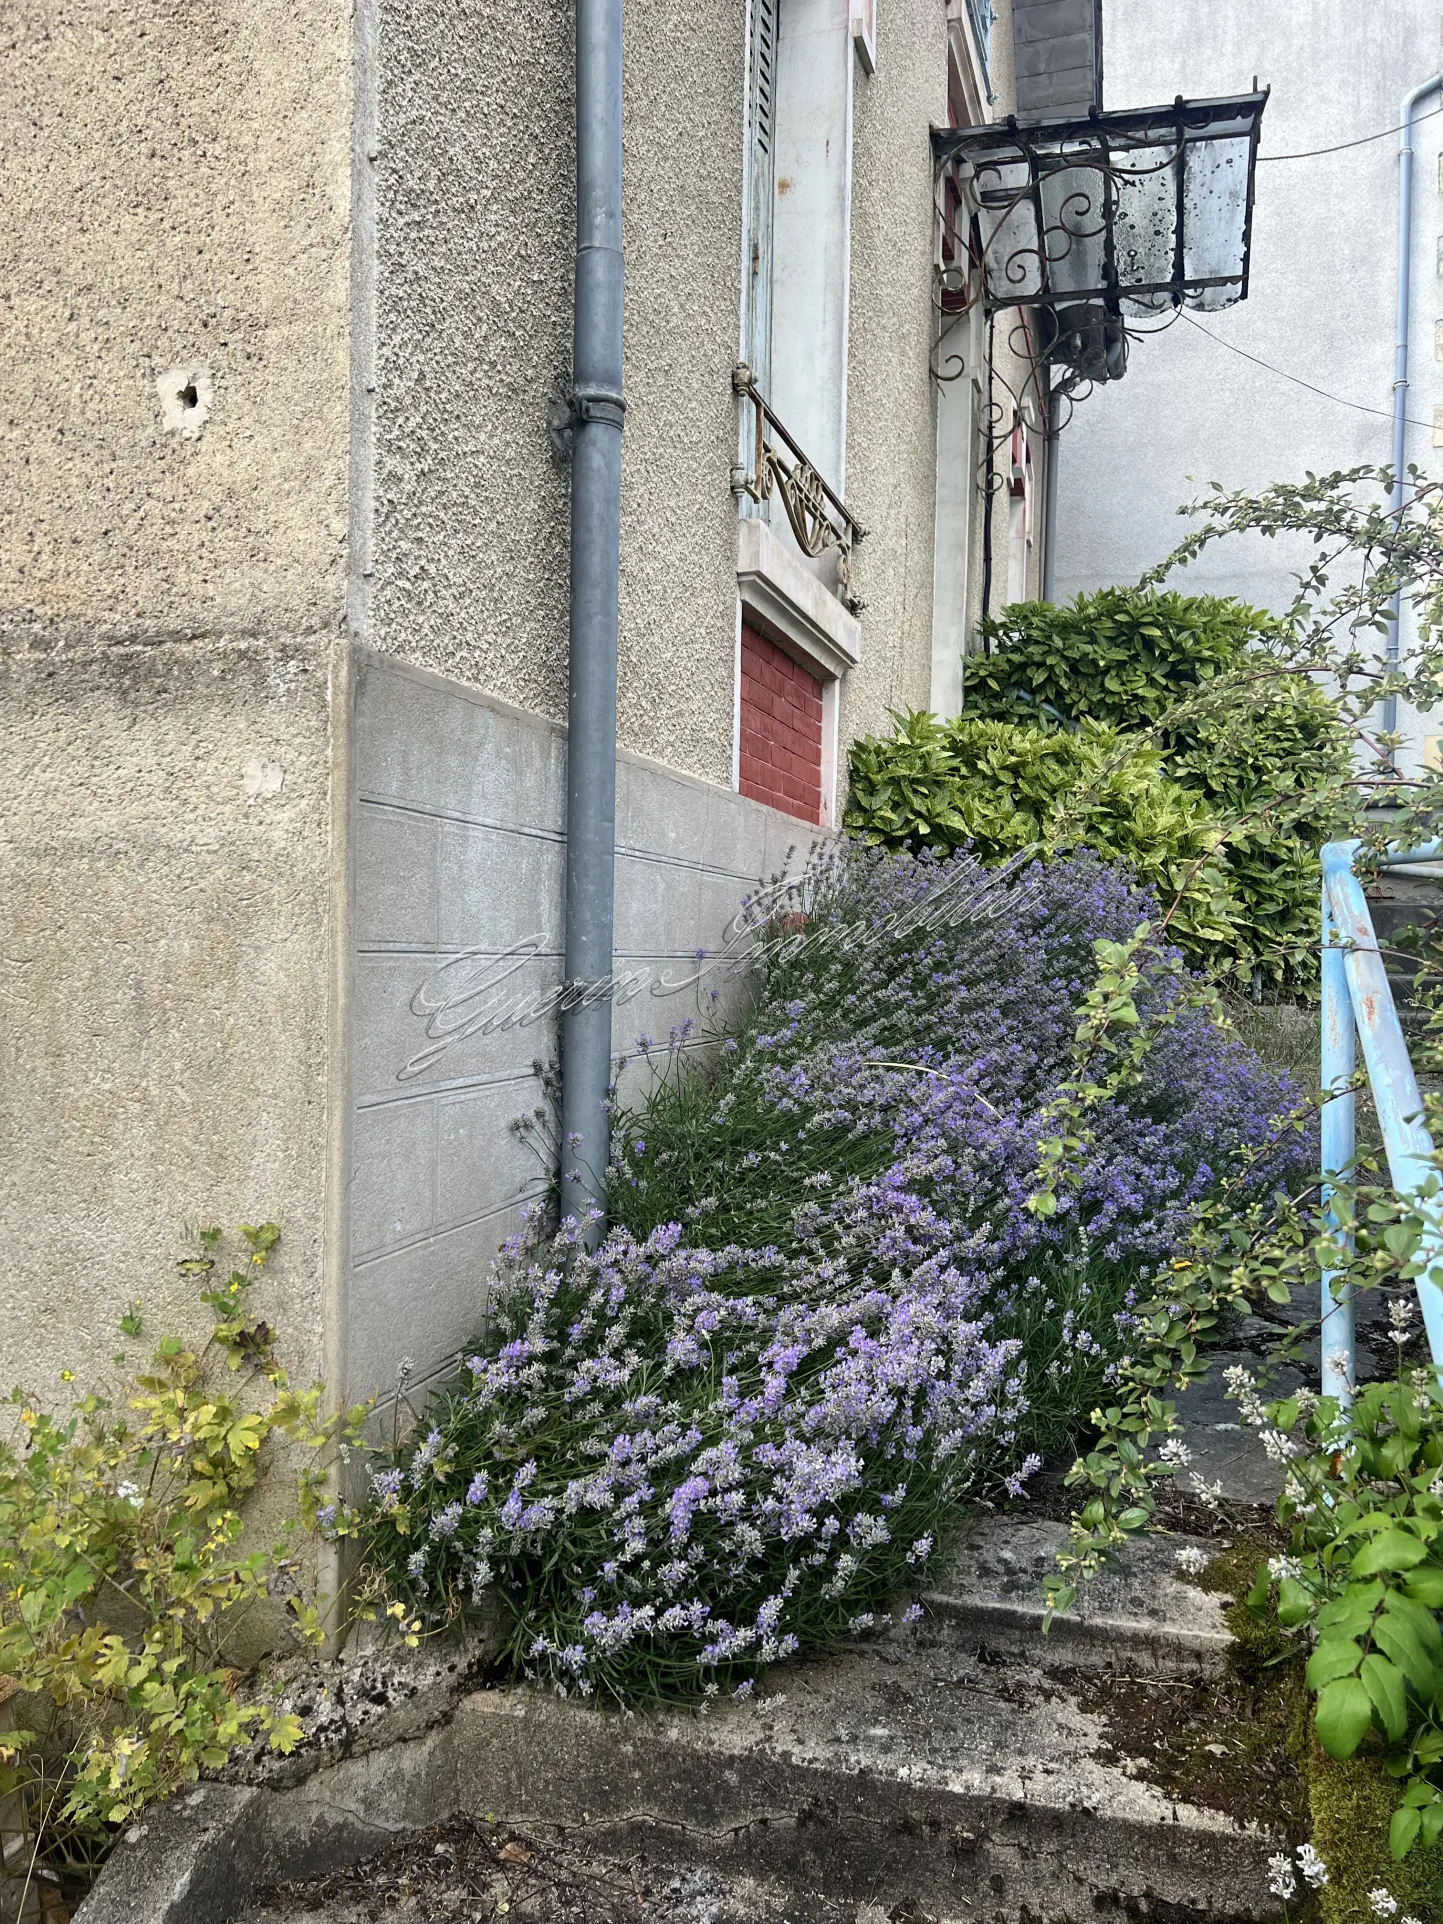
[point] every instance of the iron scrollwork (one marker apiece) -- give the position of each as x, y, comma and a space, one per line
819, 518
1097, 224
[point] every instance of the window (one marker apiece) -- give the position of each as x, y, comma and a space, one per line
760, 188
781, 729
979, 14
798, 630
811, 229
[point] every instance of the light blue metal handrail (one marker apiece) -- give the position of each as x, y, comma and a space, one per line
1358, 1000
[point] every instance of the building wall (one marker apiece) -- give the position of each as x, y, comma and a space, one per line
986, 375
683, 188
472, 245
891, 431
1321, 305
457, 813
473, 239
165, 875
352, 234
177, 188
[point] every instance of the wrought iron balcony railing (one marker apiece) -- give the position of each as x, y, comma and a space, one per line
819, 518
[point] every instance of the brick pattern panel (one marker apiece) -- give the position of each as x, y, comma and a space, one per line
781, 745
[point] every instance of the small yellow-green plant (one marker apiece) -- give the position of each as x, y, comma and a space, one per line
126, 1571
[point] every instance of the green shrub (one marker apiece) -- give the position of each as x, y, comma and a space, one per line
1119, 656
1208, 679
1001, 787
125, 1575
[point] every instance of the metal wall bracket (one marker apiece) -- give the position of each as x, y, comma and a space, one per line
571, 406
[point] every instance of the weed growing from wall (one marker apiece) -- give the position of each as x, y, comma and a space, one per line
127, 1583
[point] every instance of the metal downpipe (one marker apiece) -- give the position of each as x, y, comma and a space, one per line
1052, 450
1400, 358
597, 411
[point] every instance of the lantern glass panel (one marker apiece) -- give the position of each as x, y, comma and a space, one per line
1075, 202
1145, 225
1215, 191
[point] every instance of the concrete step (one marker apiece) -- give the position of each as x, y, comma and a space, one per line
960, 1767
1139, 1617
904, 1774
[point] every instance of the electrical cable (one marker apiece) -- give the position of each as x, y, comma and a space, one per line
1384, 414
1314, 153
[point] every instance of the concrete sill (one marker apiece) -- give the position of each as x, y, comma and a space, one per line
800, 612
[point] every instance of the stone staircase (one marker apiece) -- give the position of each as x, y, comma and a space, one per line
962, 1767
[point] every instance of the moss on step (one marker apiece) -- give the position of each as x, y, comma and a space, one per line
1349, 1805
1222, 1743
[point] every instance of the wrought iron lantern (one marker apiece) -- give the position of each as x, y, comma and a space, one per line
1096, 222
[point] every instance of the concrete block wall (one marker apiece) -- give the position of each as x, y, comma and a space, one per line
458, 802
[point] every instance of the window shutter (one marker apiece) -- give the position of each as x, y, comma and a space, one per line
761, 134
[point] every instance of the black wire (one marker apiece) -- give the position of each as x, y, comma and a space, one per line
1313, 153
1383, 414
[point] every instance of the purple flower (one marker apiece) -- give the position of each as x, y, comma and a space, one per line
724, 1428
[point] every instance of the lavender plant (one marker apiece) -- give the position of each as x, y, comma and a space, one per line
824, 1313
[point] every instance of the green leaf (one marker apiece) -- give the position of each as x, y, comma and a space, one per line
1344, 1714
1403, 1832
1295, 1604
1389, 1550
1399, 1608
78, 1580
1405, 1647
1332, 1659
1384, 1684
1426, 1586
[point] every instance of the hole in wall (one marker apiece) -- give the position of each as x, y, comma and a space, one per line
186, 396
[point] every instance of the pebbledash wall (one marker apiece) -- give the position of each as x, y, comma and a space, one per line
283, 576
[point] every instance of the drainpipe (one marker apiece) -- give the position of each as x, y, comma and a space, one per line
1400, 364
1049, 499
596, 411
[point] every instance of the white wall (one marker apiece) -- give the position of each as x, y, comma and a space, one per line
457, 850
1321, 306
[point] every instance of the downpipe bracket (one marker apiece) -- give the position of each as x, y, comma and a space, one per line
575, 407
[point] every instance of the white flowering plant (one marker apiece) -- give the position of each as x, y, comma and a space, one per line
1363, 1580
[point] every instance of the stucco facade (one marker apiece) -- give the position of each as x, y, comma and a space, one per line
288, 297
